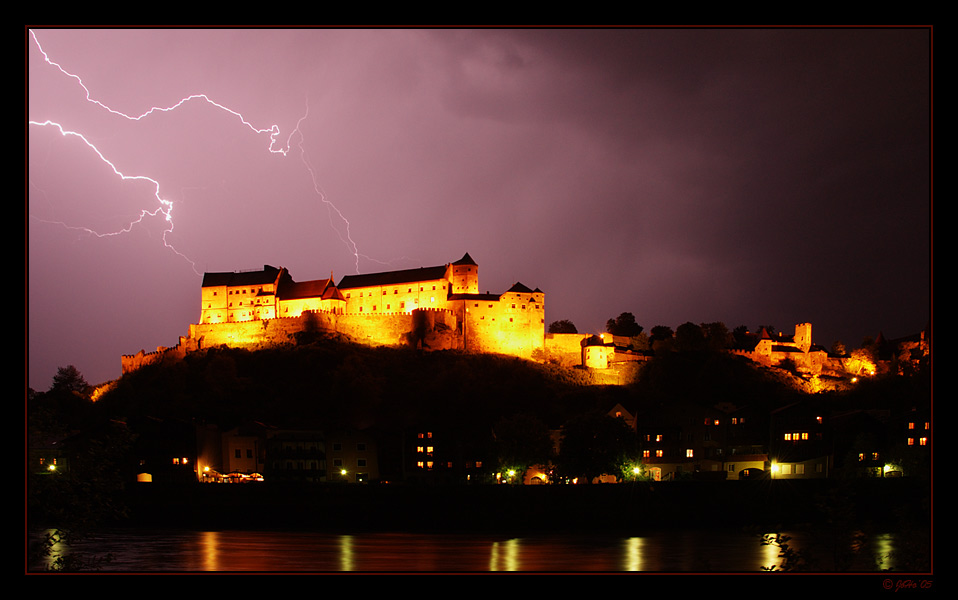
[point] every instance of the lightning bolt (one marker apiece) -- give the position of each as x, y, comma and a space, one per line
166, 206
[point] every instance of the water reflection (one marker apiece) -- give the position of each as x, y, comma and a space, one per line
234, 551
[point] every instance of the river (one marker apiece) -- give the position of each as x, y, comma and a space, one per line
155, 551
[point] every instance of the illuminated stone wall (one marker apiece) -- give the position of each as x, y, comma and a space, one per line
514, 324
397, 298
565, 348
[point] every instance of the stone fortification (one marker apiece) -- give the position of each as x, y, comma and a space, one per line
430, 308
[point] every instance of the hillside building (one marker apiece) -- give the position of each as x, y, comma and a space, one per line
436, 307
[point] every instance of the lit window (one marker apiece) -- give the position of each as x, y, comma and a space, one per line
927, 426
716, 422
420, 449
788, 437
911, 441
688, 453
659, 453
658, 437
923, 441
645, 454
428, 449
911, 426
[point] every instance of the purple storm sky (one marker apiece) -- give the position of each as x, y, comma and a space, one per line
749, 176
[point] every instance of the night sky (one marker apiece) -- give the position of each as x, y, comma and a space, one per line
749, 176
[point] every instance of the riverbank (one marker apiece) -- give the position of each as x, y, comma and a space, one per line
628, 507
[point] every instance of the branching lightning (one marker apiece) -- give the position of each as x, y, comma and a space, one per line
165, 207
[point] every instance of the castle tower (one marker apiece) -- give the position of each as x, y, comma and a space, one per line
803, 336
464, 276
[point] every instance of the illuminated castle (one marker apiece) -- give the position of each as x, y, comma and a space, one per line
431, 307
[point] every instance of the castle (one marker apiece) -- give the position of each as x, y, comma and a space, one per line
436, 307
432, 308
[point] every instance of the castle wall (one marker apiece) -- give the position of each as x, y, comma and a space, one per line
514, 324
400, 297
565, 348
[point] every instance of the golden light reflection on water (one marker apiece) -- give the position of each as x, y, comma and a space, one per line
209, 546
238, 551
632, 555
504, 556
346, 556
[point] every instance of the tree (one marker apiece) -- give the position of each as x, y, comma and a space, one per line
69, 379
563, 326
522, 441
689, 338
717, 336
623, 325
661, 339
594, 444
743, 338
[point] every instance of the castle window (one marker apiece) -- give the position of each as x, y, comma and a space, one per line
388, 306
434, 288
513, 306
